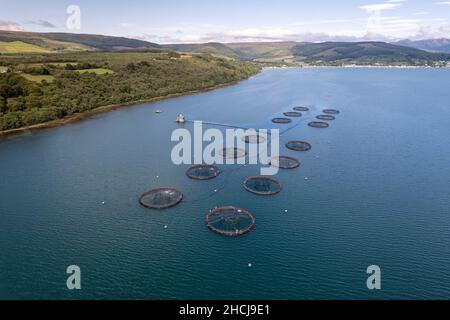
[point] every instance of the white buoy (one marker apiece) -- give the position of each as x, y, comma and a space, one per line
250, 265
215, 190
103, 202
286, 211
306, 178
165, 227
157, 177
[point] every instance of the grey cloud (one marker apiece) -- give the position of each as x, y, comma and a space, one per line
10, 26
42, 23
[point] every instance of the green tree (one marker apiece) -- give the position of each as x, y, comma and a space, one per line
16, 104
3, 106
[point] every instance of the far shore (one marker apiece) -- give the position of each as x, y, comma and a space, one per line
100, 110
356, 67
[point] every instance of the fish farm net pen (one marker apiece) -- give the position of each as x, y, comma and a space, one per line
293, 114
161, 198
317, 124
298, 146
301, 109
263, 186
230, 221
326, 117
331, 111
281, 120
203, 172
284, 162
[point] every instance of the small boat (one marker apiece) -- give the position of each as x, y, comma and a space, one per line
158, 111
181, 119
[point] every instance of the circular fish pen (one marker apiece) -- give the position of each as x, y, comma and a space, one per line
331, 111
326, 117
282, 120
293, 114
232, 153
298, 146
317, 124
230, 221
283, 162
203, 172
254, 139
263, 186
301, 109
161, 198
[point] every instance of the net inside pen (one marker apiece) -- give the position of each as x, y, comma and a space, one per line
263, 186
326, 117
161, 198
203, 172
298, 146
317, 124
293, 114
301, 109
283, 162
282, 120
331, 111
230, 221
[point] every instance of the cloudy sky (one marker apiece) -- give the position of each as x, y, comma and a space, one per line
171, 21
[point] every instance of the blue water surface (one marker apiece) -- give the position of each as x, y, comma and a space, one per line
377, 193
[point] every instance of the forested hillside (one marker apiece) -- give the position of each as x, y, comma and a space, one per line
365, 53
40, 88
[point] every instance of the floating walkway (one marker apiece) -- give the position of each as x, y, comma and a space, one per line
217, 124
225, 125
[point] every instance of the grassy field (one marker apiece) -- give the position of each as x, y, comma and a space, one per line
99, 71
64, 46
38, 79
20, 47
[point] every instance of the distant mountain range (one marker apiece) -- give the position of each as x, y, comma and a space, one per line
426, 52
433, 45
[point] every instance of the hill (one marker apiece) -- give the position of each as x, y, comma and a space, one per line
364, 53
432, 45
327, 53
100, 42
261, 51
214, 48
61, 42
244, 51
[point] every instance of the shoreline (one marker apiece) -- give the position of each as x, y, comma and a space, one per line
105, 109
356, 67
